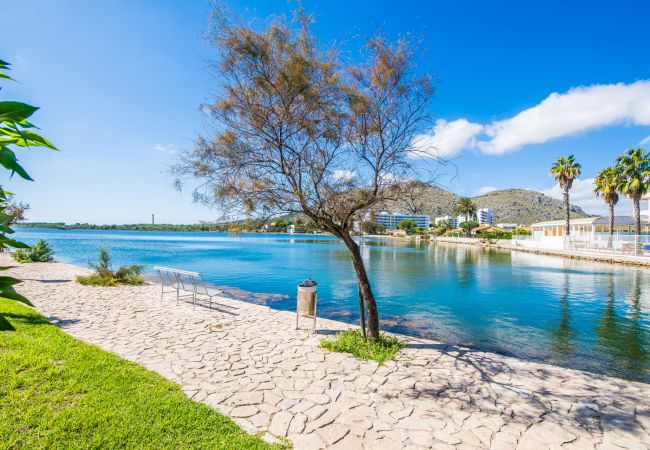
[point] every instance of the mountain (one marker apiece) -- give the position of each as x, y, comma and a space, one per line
520, 206
524, 206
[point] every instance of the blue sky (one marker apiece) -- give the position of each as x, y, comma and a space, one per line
119, 84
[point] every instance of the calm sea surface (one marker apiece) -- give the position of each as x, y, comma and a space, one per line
584, 315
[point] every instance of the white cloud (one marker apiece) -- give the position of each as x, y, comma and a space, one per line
168, 149
645, 141
447, 138
578, 110
344, 175
582, 194
485, 190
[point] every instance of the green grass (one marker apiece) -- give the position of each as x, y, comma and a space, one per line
58, 392
351, 341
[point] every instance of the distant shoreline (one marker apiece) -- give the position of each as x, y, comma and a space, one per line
125, 227
149, 227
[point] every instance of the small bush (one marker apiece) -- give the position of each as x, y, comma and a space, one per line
372, 227
495, 235
408, 225
105, 276
39, 252
351, 341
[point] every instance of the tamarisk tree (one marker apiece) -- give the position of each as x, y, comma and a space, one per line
295, 130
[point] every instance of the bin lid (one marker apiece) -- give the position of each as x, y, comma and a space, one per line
308, 283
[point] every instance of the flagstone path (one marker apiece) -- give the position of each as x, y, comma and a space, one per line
249, 362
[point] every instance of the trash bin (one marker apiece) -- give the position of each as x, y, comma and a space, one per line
306, 304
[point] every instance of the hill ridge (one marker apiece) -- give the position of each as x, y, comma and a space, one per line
512, 205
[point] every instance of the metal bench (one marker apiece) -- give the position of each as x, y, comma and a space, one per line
190, 283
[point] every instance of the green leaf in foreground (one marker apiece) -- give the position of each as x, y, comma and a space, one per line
9, 293
351, 341
16, 111
9, 161
13, 122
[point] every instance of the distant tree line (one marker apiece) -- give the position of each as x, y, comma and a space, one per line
279, 224
126, 227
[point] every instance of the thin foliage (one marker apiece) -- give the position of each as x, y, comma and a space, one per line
294, 130
104, 274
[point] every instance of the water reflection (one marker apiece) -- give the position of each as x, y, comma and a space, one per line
622, 337
563, 334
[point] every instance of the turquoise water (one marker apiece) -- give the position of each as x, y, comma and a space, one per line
584, 315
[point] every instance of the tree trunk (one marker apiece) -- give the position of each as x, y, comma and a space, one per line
611, 225
637, 225
362, 313
363, 284
565, 195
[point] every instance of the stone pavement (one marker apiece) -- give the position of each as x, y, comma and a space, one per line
248, 361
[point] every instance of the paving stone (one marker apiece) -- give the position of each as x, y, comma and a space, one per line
320, 399
297, 423
315, 412
254, 367
280, 423
307, 441
550, 433
244, 411
414, 423
333, 433
328, 417
260, 420
349, 442
421, 438
245, 398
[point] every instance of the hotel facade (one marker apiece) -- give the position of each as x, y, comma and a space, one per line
390, 221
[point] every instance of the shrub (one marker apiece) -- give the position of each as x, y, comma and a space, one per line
351, 341
371, 227
495, 234
105, 276
39, 252
408, 225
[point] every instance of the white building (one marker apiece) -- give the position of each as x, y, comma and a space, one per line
390, 221
484, 216
452, 220
588, 233
507, 226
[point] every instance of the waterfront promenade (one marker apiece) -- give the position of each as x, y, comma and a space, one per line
248, 361
507, 244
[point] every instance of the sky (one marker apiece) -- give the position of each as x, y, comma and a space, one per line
518, 84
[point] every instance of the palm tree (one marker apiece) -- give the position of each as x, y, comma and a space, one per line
564, 171
467, 208
606, 186
635, 180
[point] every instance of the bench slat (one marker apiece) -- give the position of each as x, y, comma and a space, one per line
183, 272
